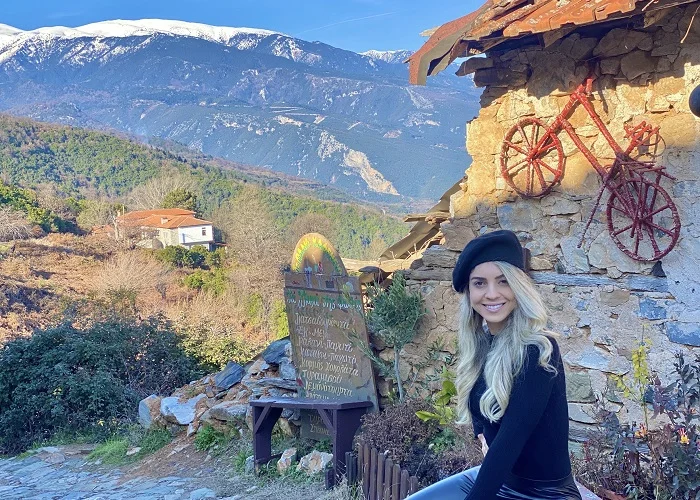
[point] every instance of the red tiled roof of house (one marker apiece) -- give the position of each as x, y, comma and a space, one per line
167, 218
173, 222
143, 214
498, 21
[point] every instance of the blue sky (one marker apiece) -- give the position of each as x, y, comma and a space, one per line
350, 24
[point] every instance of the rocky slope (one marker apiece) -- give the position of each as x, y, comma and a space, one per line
252, 96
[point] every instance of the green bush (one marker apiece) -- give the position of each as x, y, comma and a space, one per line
213, 282
208, 438
215, 259
215, 346
280, 324
65, 379
195, 257
173, 255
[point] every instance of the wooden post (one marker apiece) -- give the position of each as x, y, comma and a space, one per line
414, 485
372, 474
380, 475
365, 470
395, 482
388, 471
403, 489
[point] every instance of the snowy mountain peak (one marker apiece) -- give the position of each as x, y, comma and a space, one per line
8, 30
124, 28
389, 56
143, 27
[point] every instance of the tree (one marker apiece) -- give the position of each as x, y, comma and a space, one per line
180, 198
309, 223
152, 194
393, 317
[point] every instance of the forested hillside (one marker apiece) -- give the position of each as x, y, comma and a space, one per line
83, 166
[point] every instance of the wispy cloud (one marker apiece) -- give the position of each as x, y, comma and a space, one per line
63, 15
345, 22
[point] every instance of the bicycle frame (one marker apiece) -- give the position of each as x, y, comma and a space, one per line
580, 96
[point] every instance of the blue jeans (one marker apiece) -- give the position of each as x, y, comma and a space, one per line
457, 487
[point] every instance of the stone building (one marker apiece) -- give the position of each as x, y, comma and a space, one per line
645, 58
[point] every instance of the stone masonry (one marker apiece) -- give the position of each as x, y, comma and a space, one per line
602, 302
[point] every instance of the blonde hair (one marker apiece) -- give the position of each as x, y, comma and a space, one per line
502, 356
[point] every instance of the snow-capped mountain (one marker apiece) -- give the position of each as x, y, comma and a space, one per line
388, 56
249, 95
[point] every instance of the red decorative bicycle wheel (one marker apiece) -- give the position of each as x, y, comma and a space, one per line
642, 219
532, 159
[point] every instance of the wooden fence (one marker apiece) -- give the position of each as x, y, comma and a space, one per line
380, 477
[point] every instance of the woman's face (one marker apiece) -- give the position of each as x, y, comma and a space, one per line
491, 296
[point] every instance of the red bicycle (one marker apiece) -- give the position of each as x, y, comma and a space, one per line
643, 221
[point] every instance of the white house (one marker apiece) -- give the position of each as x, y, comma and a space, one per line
164, 227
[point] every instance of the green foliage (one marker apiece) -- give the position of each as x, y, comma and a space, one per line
178, 256
113, 451
215, 259
195, 257
392, 317
24, 201
79, 161
69, 379
213, 282
280, 324
173, 255
645, 463
153, 440
254, 309
181, 198
210, 439
443, 409
215, 346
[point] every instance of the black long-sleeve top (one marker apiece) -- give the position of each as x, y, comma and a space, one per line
531, 439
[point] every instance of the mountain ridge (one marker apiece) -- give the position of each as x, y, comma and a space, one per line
261, 98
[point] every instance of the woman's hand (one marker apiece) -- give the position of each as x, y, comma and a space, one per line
484, 446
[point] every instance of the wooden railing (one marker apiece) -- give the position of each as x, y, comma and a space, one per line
380, 477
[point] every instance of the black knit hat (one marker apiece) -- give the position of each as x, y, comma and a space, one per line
500, 245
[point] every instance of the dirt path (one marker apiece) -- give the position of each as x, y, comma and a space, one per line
176, 472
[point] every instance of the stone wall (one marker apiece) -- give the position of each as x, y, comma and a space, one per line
601, 300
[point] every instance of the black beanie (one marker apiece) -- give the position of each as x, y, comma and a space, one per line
500, 245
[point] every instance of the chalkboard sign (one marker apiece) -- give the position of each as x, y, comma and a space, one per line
326, 323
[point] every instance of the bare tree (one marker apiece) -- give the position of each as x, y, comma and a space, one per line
309, 223
151, 194
13, 225
130, 274
97, 213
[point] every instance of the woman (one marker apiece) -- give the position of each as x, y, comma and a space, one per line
510, 381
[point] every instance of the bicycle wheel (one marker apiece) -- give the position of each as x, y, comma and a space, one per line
642, 219
532, 159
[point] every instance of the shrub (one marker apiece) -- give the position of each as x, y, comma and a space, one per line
392, 317
215, 259
396, 429
644, 463
215, 345
208, 438
195, 257
65, 379
173, 255
124, 277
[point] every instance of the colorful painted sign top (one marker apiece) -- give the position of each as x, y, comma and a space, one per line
314, 254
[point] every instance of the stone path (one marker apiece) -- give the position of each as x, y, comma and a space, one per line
53, 474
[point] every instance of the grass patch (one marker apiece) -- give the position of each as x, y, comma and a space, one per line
210, 439
153, 440
113, 451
